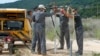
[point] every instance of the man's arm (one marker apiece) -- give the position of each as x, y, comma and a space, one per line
33, 17
66, 14
48, 14
52, 12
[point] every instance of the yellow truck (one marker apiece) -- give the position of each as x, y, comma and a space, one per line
14, 26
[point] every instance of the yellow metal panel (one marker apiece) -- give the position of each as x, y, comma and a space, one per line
25, 33
20, 36
1, 25
12, 10
27, 25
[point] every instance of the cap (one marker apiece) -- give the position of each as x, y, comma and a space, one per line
41, 6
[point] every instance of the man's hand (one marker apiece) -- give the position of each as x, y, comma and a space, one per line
62, 11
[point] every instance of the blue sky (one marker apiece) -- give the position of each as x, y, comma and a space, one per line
7, 1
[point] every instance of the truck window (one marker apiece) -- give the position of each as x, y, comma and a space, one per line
12, 15
0, 24
13, 25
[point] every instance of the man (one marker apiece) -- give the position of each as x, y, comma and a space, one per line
79, 31
29, 16
40, 28
64, 29
34, 40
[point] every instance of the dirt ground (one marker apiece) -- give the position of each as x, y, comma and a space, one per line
90, 46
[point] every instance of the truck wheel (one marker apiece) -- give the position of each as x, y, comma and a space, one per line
0, 51
25, 41
11, 48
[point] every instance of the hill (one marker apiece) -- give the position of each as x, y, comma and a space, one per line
31, 3
90, 6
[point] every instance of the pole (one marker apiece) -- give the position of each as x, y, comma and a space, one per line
55, 47
97, 10
70, 47
71, 29
57, 34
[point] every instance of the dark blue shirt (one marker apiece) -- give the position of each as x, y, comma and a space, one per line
64, 21
78, 21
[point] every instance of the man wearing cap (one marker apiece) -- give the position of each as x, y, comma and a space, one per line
40, 28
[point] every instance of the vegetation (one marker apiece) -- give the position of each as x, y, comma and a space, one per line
97, 33
96, 54
87, 8
50, 34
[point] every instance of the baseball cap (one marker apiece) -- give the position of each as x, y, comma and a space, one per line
41, 6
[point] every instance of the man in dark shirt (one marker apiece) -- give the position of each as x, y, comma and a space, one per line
78, 29
64, 27
64, 30
79, 32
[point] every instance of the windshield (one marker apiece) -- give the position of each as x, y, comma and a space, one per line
0, 24
13, 25
12, 15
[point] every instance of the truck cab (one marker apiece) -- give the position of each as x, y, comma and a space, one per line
14, 26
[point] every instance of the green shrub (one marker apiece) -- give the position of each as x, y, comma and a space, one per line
50, 34
95, 54
97, 33
87, 27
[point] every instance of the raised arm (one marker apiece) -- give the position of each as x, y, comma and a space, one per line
66, 13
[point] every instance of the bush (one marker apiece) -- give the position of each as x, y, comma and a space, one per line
97, 33
87, 24
50, 34
95, 54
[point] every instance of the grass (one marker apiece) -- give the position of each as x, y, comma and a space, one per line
51, 34
91, 26
87, 24
97, 33
96, 54
96, 17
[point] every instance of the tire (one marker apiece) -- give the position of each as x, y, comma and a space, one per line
0, 51
11, 48
25, 41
